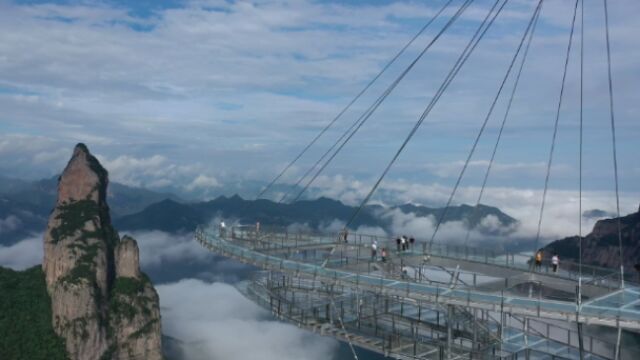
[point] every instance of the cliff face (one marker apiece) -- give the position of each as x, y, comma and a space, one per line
102, 305
600, 247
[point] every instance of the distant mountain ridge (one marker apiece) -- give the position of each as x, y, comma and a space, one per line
25, 205
601, 246
123, 199
317, 214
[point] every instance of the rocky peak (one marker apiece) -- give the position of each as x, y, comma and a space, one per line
83, 178
102, 305
127, 256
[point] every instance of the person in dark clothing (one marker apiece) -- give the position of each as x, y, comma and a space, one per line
399, 243
411, 242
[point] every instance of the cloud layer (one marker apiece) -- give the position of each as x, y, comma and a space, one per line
23, 254
216, 322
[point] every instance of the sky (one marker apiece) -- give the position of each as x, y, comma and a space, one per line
197, 95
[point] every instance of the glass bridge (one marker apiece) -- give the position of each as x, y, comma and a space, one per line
439, 301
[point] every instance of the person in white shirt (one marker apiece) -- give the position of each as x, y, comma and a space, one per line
223, 229
374, 251
555, 261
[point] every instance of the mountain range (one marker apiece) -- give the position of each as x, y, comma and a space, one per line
25, 206
601, 246
318, 214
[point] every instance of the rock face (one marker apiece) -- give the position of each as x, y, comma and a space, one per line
102, 305
601, 246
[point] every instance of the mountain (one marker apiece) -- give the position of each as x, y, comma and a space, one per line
318, 214
19, 220
597, 214
91, 301
25, 321
472, 216
25, 205
11, 185
123, 199
172, 216
600, 247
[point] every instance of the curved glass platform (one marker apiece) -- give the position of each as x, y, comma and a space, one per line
429, 302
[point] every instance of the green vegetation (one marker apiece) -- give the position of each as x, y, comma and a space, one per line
84, 268
127, 286
25, 317
128, 299
73, 216
144, 330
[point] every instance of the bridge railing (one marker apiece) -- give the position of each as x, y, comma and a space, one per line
281, 237
626, 317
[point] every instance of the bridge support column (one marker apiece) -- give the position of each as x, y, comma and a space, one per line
618, 340
580, 343
475, 330
449, 330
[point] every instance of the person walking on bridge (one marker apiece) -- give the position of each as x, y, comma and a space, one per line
555, 262
374, 250
538, 260
223, 229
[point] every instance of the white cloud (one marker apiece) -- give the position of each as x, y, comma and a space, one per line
130, 170
452, 169
561, 216
216, 322
23, 254
244, 86
158, 172
10, 223
158, 248
203, 182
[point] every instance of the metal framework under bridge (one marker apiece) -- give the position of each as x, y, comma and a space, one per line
443, 302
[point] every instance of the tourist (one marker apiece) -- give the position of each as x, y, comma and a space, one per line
555, 261
404, 243
405, 272
345, 235
374, 250
538, 260
223, 229
399, 243
411, 242
384, 254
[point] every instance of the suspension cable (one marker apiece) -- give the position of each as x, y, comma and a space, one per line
613, 138
367, 114
341, 322
375, 78
480, 32
503, 124
349, 130
580, 156
484, 124
555, 127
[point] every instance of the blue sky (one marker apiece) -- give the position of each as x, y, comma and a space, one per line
200, 94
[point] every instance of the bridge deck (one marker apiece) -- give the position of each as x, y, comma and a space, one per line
619, 307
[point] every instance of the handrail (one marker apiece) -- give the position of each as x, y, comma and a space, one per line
597, 314
591, 275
